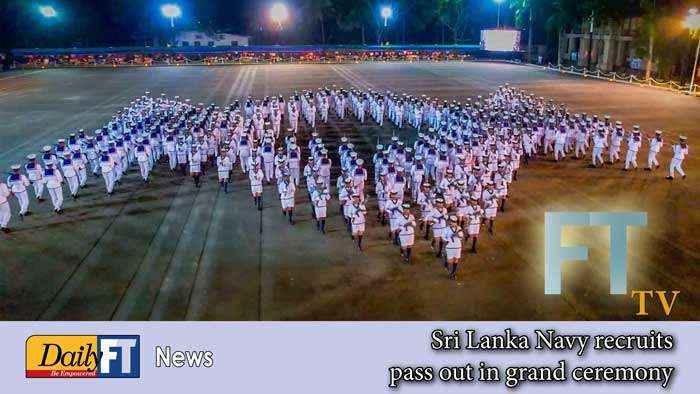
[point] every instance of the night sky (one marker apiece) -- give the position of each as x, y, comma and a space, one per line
87, 23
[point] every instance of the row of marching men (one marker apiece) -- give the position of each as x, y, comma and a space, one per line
550, 128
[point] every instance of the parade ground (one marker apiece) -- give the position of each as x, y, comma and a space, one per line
168, 251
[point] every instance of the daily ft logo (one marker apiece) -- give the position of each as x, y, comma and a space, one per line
618, 222
83, 356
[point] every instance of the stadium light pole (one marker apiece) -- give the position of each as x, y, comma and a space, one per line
386, 13
48, 11
692, 23
279, 14
498, 13
171, 11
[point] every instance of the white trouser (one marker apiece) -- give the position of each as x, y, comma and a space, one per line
144, 167
39, 188
82, 176
73, 185
109, 181
675, 166
559, 150
268, 166
597, 156
23, 200
651, 160
614, 153
631, 159
5, 214
580, 148
56, 197
294, 175
172, 160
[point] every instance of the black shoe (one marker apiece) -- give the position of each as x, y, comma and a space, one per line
670, 178
28, 213
647, 169
60, 211
40, 199
6, 230
683, 176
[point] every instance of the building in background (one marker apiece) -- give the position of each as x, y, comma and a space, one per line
610, 47
201, 39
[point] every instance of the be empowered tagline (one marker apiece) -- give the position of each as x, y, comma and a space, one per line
513, 376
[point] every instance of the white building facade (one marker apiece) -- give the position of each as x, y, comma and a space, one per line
202, 39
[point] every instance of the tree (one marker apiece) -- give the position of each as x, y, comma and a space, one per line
452, 14
522, 8
353, 15
315, 10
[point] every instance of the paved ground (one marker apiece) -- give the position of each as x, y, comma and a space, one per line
166, 251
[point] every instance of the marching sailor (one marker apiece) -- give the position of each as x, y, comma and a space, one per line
18, 182
34, 173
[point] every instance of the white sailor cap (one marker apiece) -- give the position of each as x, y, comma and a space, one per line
46, 148
66, 154
348, 180
344, 139
658, 132
395, 138
618, 123
353, 154
31, 156
406, 206
360, 162
61, 141
351, 145
15, 167
439, 200
409, 150
683, 138
318, 140
324, 151
419, 157
380, 147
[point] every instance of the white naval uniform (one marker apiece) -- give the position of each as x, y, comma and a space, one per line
654, 148
320, 200
223, 167
474, 214
679, 153
438, 217
143, 158
407, 229
54, 182
34, 173
18, 185
287, 194
256, 177
453, 242
5, 213
357, 214
71, 176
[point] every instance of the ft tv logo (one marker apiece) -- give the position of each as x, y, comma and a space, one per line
83, 356
618, 222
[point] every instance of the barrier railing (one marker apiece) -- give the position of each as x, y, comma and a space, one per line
622, 78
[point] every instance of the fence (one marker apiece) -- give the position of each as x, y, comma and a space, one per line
623, 78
